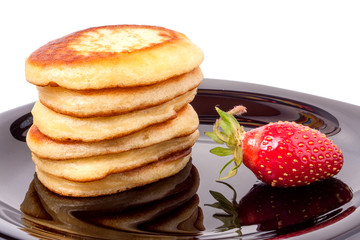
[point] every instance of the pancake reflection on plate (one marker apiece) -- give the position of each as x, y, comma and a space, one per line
167, 207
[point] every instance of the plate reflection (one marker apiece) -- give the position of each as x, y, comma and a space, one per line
166, 208
292, 211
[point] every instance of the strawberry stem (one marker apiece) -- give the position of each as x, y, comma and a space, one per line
232, 135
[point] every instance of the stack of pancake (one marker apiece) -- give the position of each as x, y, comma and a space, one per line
113, 110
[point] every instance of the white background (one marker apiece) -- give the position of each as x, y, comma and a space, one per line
307, 46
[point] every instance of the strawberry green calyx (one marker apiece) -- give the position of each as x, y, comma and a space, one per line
228, 131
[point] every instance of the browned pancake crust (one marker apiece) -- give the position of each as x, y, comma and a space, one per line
98, 167
186, 123
59, 52
80, 103
143, 175
63, 128
112, 56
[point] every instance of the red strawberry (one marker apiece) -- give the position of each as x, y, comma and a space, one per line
281, 154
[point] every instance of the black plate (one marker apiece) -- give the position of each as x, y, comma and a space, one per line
184, 206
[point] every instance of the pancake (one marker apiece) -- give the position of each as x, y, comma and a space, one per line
184, 124
117, 182
98, 167
62, 127
109, 102
187, 180
113, 56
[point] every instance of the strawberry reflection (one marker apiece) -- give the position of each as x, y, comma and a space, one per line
167, 207
284, 210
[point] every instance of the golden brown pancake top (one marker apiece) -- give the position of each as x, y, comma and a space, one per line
113, 56
94, 44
